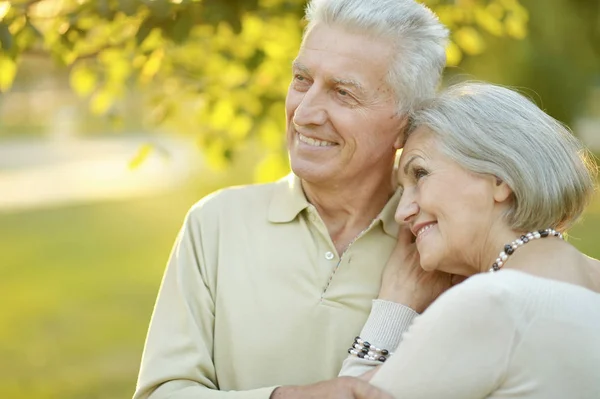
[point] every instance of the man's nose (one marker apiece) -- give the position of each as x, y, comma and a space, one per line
311, 110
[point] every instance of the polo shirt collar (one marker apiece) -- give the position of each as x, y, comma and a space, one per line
288, 200
387, 215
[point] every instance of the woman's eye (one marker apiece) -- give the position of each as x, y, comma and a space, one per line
419, 173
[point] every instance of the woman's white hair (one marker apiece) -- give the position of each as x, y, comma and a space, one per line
417, 36
494, 130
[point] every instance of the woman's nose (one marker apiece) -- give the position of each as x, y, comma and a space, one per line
407, 208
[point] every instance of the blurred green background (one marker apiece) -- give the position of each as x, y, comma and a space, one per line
117, 115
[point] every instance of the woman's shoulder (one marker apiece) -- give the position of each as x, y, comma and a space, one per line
474, 296
516, 281
523, 295
489, 285
501, 290
509, 281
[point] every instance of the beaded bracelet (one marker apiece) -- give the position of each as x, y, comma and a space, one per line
365, 350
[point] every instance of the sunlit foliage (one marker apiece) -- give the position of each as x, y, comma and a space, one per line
218, 69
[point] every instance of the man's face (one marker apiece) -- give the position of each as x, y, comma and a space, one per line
342, 123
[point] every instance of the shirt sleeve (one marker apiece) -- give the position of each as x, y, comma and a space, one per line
177, 359
459, 348
384, 328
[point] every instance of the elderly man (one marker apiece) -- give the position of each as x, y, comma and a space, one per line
268, 284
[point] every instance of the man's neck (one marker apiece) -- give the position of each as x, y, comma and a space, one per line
349, 208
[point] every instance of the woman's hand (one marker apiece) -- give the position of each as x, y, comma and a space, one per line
405, 282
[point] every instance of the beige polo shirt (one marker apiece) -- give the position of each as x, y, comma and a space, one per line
255, 295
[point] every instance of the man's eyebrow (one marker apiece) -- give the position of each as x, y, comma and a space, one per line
349, 82
297, 65
301, 67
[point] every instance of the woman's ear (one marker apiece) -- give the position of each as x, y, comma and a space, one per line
502, 192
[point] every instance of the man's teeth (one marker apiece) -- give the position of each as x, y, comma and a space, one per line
424, 229
313, 142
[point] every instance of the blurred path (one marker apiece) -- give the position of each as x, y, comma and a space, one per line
37, 172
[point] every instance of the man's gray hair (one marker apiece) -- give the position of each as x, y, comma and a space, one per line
494, 130
417, 36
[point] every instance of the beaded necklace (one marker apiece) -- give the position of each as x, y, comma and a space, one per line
509, 249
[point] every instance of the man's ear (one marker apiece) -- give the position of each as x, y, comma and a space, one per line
502, 192
402, 130
399, 141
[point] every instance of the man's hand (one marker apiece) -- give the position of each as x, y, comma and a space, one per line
369, 374
338, 388
405, 282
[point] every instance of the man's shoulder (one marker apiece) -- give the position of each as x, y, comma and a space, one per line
250, 197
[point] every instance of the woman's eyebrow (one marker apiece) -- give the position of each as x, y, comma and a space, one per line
407, 164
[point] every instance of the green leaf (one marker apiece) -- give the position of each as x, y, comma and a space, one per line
83, 80
102, 101
8, 71
142, 154
144, 30
27, 37
104, 10
160, 9
4, 9
271, 167
256, 60
215, 12
6, 39
129, 7
180, 29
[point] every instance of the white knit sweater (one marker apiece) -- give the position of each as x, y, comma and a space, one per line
502, 335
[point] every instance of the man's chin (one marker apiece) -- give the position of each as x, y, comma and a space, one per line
311, 172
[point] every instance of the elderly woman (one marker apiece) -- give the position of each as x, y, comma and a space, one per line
491, 183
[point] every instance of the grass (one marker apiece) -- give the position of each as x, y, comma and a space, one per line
78, 285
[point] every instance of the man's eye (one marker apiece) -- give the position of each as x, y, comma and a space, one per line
299, 78
346, 97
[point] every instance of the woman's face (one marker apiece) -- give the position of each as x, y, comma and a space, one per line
450, 210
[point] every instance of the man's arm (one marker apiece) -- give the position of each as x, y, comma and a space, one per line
177, 360
338, 388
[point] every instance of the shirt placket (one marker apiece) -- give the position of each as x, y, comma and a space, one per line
330, 253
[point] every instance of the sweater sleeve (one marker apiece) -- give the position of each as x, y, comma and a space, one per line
384, 328
458, 348
177, 361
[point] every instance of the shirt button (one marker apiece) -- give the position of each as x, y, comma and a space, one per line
329, 255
